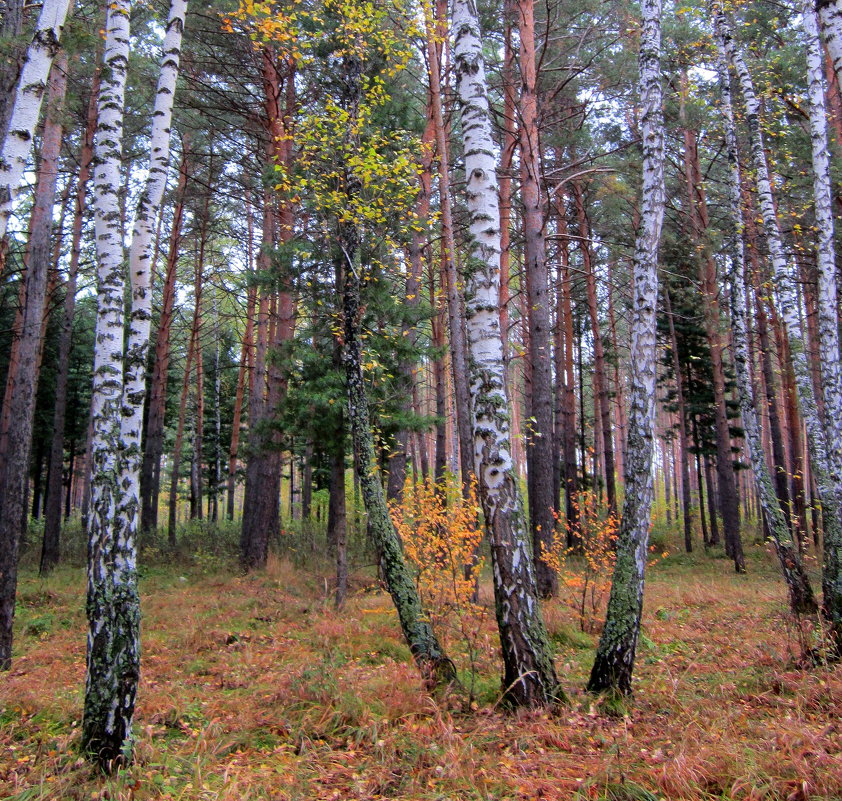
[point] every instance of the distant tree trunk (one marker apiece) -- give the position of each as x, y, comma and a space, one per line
683, 441
727, 483
179, 439
337, 521
150, 476
23, 118
455, 313
713, 521
52, 518
571, 477
22, 380
245, 365
612, 668
801, 598
600, 377
529, 674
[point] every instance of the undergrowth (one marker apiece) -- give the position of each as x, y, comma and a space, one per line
254, 687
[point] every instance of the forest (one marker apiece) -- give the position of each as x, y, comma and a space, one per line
413, 399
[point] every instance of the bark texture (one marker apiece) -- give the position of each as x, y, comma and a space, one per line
825, 444
614, 663
32, 83
801, 598
529, 673
22, 382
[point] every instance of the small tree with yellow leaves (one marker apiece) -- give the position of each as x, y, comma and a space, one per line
441, 537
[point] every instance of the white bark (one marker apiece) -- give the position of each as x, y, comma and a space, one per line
830, 19
529, 673
32, 84
825, 460
612, 669
117, 404
140, 269
800, 592
113, 645
828, 320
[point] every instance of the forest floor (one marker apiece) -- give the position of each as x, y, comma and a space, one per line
256, 688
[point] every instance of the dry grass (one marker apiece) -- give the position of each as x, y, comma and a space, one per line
254, 688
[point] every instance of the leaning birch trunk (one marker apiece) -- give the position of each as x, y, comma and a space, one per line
830, 21
827, 461
113, 655
529, 673
801, 600
140, 272
614, 663
827, 302
17, 144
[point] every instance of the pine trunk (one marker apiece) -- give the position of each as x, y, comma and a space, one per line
22, 383
150, 477
50, 551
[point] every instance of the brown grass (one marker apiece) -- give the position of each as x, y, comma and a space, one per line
255, 688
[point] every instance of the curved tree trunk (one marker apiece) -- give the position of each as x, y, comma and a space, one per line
614, 663
801, 598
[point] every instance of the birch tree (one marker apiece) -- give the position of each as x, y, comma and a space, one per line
825, 447
830, 21
614, 663
529, 676
32, 84
113, 607
801, 598
827, 299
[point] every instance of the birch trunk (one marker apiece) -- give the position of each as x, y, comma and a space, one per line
825, 445
801, 598
614, 663
529, 673
113, 653
827, 305
113, 661
17, 144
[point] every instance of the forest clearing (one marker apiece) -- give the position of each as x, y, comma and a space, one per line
256, 688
